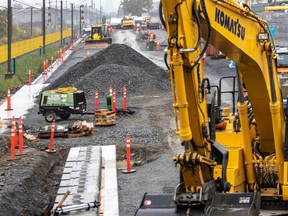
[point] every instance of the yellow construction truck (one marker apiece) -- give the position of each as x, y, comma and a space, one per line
235, 158
99, 37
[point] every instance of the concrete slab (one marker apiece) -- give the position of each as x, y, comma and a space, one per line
111, 204
84, 183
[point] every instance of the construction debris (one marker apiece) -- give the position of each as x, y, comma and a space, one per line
81, 128
60, 131
31, 137
77, 129
105, 117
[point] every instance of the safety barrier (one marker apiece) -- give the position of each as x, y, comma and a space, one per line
29, 77
12, 157
8, 100
15, 138
21, 141
26, 46
96, 100
124, 99
51, 150
128, 156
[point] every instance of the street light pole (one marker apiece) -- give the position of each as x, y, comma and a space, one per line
100, 18
61, 24
80, 30
72, 23
44, 27
31, 18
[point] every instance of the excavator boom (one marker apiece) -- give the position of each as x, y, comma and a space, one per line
233, 162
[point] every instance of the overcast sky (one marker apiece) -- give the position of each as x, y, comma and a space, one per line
108, 5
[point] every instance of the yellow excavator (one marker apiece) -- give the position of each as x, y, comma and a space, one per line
99, 37
234, 159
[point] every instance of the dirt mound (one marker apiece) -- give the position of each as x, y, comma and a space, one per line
27, 185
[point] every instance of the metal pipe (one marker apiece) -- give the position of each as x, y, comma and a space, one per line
84, 206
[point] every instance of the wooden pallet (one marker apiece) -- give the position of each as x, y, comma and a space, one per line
30, 137
81, 128
105, 117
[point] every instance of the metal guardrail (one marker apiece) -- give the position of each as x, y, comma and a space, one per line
26, 46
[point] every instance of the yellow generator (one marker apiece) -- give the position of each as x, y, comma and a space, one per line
99, 37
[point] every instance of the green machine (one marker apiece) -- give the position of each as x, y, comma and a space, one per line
61, 102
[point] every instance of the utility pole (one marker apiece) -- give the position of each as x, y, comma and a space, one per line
56, 17
31, 19
44, 27
100, 18
81, 11
72, 24
86, 7
61, 24
91, 15
9, 73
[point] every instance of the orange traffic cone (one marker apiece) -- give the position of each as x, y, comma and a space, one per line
158, 45
61, 56
12, 157
74, 47
8, 100
16, 145
21, 141
88, 55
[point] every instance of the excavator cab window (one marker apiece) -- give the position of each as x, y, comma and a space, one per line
96, 30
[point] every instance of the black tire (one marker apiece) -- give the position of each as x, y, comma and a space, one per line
50, 116
65, 116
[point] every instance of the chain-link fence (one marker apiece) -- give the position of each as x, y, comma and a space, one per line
29, 20
277, 19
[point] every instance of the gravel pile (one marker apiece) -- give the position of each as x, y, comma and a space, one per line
117, 65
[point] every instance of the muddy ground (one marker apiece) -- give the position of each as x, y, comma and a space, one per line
29, 184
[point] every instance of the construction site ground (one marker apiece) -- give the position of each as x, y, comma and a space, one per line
29, 184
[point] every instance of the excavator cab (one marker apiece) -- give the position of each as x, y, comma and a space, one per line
98, 38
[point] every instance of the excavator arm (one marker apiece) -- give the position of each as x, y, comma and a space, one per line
225, 170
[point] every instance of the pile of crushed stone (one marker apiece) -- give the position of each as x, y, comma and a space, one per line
117, 65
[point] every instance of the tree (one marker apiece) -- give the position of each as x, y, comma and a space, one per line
136, 7
3, 23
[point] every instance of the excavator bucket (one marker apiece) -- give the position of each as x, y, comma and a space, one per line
238, 204
222, 204
97, 44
